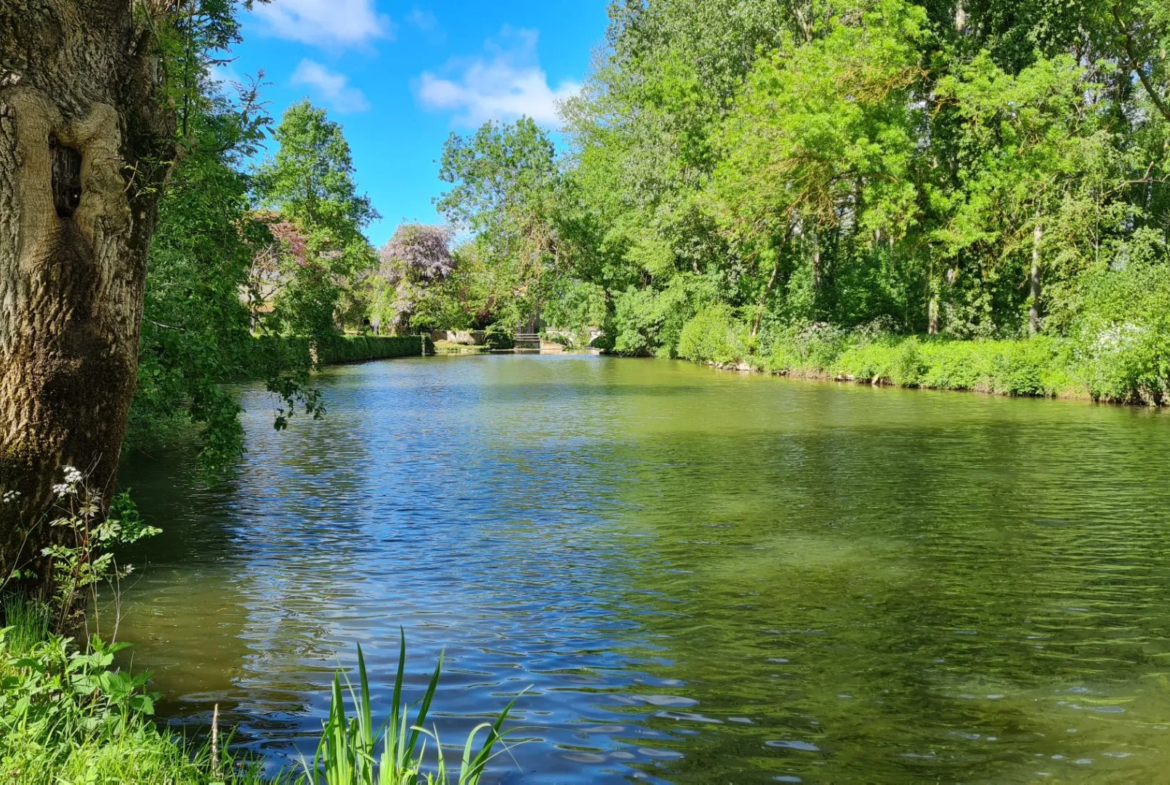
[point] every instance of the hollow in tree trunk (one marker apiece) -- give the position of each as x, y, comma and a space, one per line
85, 143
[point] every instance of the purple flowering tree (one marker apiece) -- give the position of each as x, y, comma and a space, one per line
418, 256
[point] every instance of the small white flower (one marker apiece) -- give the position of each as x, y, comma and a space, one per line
10, 497
61, 490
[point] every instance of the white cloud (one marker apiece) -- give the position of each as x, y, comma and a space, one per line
329, 23
331, 87
423, 20
504, 86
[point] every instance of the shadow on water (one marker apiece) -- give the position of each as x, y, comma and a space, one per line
703, 577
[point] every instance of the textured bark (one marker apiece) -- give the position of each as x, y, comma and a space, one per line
84, 145
1034, 282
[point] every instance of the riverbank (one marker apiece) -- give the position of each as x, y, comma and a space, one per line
69, 714
1131, 369
338, 350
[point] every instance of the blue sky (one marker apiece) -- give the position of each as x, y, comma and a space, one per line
401, 76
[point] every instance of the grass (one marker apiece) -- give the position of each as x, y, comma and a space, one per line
1127, 369
449, 347
68, 715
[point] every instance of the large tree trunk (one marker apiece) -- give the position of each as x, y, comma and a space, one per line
85, 142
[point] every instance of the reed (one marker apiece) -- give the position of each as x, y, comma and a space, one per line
353, 751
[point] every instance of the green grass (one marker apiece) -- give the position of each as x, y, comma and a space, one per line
1112, 365
68, 715
448, 347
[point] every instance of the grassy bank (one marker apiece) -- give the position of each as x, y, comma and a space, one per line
69, 715
1115, 367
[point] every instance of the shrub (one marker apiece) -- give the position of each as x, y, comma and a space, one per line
712, 335
499, 337
954, 365
359, 348
1122, 334
809, 348
909, 365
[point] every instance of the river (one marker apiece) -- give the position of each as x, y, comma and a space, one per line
700, 576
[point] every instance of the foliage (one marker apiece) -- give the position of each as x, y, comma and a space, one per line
353, 751
81, 555
83, 531
1123, 333
69, 714
413, 266
959, 169
712, 336
310, 182
505, 188
360, 348
215, 260
575, 305
195, 329
499, 336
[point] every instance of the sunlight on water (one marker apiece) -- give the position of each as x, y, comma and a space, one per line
702, 576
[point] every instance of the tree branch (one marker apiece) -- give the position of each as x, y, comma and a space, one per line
1136, 67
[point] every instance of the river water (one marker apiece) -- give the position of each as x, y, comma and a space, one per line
699, 576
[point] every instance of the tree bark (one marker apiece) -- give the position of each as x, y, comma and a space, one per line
1135, 63
1034, 281
933, 307
85, 144
764, 297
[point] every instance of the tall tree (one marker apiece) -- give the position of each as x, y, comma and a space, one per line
310, 181
504, 188
415, 261
86, 142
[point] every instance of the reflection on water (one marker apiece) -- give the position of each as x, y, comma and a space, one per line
702, 576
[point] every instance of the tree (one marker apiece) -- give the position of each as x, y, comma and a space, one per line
1028, 142
415, 260
87, 138
822, 138
504, 188
196, 331
310, 182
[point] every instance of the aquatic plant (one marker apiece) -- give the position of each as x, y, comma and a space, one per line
68, 714
348, 753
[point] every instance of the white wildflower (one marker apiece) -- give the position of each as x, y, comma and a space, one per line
10, 497
73, 478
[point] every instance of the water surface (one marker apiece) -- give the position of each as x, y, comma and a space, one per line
700, 576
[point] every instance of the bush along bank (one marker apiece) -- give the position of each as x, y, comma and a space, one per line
269, 352
362, 348
1116, 366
